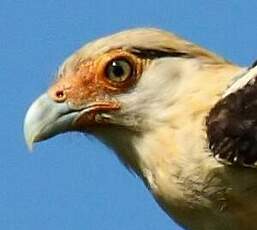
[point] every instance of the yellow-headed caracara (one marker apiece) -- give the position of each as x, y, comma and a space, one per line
183, 118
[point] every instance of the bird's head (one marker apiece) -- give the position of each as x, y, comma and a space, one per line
127, 80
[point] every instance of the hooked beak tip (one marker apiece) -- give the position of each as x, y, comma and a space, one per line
29, 143
29, 139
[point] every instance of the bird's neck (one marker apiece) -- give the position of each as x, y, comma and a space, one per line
171, 156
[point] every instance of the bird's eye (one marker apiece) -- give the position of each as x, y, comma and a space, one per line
119, 70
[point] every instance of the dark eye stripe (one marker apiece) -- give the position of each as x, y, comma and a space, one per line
153, 53
254, 64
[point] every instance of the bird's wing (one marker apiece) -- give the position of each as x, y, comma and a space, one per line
232, 122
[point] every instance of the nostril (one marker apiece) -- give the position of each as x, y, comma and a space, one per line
59, 96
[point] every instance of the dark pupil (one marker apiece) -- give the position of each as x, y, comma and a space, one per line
117, 70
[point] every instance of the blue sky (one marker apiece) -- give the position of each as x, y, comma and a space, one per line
73, 182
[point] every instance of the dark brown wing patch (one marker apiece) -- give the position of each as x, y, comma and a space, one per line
232, 127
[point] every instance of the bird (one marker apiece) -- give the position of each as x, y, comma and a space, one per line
178, 115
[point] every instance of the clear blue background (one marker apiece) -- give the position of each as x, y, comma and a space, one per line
73, 182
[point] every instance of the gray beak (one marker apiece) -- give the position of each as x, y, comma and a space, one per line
47, 118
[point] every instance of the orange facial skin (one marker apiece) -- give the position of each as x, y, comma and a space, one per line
87, 85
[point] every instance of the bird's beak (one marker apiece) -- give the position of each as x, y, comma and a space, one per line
47, 118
